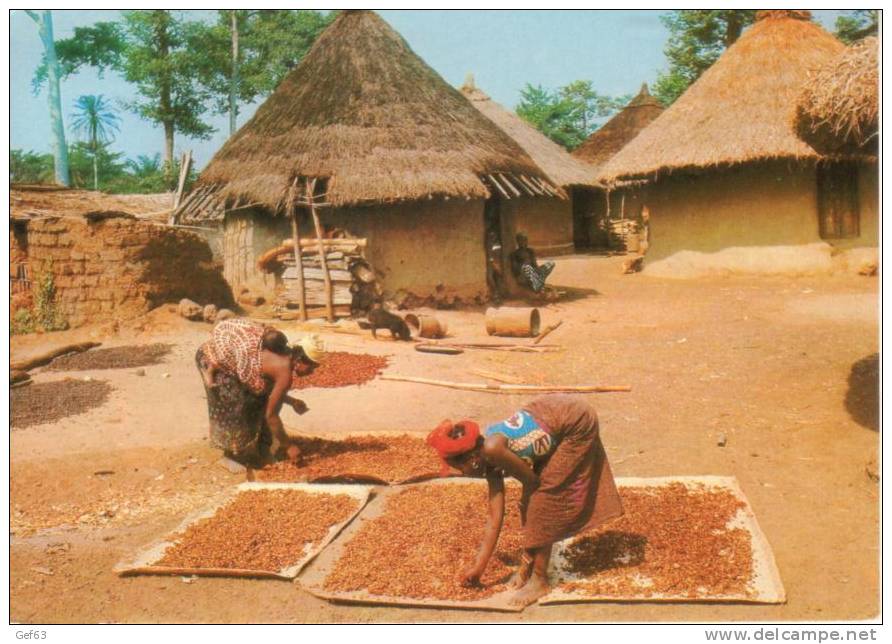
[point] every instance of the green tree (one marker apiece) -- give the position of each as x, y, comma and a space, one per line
88, 162
154, 50
30, 167
860, 23
247, 53
697, 37
568, 115
588, 106
549, 113
44, 22
96, 121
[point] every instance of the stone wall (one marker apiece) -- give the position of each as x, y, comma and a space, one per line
119, 268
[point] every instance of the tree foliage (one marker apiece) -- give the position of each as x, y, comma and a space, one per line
30, 167
569, 114
271, 42
860, 23
697, 37
143, 175
156, 51
96, 121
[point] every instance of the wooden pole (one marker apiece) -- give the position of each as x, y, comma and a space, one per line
48, 356
326, 278
298, 259
185, 163
511, 389
548, 330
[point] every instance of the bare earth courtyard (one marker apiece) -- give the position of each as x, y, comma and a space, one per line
783, 371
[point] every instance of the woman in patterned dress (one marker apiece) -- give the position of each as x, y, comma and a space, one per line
247, 369
553, 447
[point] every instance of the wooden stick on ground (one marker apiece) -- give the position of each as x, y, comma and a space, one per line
511, 389
547, 330
513, 380
48, 356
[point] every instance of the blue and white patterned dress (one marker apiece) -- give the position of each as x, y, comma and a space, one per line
526, 438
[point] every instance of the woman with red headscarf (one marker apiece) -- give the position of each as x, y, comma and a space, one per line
553, 447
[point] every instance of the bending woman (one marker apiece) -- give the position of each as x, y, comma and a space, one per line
553, 447
247, 369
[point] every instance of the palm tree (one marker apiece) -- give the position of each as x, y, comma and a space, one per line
96, 121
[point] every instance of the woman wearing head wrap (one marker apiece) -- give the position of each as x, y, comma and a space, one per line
553, 447
247, 369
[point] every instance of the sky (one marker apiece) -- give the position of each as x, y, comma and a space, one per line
617, 50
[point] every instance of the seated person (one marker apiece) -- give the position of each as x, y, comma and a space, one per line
526, 270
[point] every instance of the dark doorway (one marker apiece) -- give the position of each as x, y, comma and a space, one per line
494, 249
838, 207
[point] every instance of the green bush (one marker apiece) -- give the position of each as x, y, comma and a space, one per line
43, 314
48, 315
22, 322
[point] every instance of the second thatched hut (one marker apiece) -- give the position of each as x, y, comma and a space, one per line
729, 179
400, 158
623, 200
552, 222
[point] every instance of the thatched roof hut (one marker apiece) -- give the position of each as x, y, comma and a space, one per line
613, 136
554, 160
741, 109
838, 109
363, 111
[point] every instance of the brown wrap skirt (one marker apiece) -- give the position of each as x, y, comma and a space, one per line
576, 491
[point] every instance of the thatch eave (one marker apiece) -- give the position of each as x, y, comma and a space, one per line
741, 109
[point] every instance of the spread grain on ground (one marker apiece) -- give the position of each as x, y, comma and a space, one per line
264, 530
48, 402
112, 358
391, 459
423, 541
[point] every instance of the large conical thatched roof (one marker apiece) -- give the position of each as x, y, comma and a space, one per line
364, 111
554, 160
838, 110
741, 109
613, 136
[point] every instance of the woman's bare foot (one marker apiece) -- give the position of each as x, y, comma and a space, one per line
521, 575
535, 588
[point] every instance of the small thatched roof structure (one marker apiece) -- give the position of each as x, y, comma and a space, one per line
30, 201
363, 111
741, 109
838, 110
554, 160
616, 133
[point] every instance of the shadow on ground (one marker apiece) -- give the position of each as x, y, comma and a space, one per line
863, 396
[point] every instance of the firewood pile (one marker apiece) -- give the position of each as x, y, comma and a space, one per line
354, 285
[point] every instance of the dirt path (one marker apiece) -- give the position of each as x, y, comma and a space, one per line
781, 368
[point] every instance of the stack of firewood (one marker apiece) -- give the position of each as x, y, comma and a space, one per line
353, 281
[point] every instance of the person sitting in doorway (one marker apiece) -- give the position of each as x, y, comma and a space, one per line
526, 270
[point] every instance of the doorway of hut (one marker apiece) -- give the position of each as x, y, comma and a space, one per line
494, 249
585, 218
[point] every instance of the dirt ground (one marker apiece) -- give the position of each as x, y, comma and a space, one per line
783, 369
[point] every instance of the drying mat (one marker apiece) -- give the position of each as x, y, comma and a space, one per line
313, 577
765, 584
370, 474
145, 563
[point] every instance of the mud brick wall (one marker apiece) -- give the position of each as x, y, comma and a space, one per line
121, 268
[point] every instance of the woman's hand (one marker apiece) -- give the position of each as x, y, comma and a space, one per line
470, 577
293, 454
298, 405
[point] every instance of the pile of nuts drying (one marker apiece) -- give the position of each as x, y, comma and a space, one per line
671, 540
342, 369
424, 539
391, 459
259, 530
